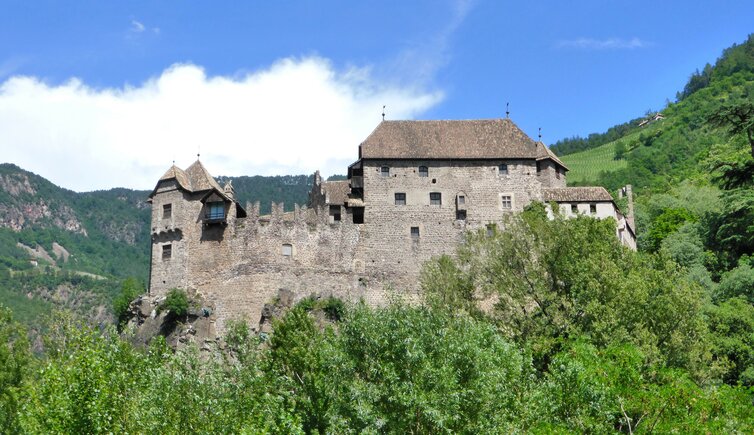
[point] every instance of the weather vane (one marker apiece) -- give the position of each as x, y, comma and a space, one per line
540, 134
383, 112
507, 112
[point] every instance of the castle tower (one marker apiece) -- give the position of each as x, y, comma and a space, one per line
186, 205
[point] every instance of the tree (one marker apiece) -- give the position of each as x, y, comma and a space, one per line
563, 278
620, 150
14, 361
130, 289
736, 119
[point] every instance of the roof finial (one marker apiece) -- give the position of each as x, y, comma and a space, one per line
540, 134
198, 151
383, 112
507, 112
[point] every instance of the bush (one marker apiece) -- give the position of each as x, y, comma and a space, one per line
129, 290
176, 302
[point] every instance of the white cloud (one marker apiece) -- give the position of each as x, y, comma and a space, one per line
136, 26
604, 44
296, 116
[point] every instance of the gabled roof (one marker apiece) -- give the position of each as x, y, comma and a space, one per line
336, 192
468, 139
544, 153
577, 194
200, 178
194, 179
180, 177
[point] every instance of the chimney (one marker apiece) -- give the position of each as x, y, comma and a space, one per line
630, 211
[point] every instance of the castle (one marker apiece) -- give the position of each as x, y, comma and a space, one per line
416, 187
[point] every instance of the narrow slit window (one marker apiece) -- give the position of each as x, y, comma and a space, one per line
167, 251
503, 169
414, 232
557, 173
507, 202
385, 171
423, 171
400, 198
435, 198
167, 211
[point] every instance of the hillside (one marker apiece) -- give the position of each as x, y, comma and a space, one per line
60, 248
693, 171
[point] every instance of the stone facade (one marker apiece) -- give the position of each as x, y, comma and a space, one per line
415, 189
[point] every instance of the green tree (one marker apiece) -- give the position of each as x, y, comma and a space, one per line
130, 289
732, 327
15, 359
620, 150
560, 278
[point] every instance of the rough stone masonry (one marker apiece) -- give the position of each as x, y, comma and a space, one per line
414, 190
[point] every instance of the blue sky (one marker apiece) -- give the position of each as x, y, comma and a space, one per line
292, 86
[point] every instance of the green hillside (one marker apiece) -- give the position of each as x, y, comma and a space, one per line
587, 165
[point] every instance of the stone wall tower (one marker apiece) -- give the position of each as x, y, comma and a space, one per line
184, 205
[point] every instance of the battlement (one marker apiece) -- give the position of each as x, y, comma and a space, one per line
416, 189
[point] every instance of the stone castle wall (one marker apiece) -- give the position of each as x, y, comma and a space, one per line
240, 265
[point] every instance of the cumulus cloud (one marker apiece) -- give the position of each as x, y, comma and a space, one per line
296, 116
604, 44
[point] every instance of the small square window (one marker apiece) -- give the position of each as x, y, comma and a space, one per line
574, 208
167, 251
507, 202
335, 213
385, 171
215, 211
593, 208
415, 232
461, 215
400, 199
287, 250
423, 171
435, 198
461, 200
167, 211
502, 169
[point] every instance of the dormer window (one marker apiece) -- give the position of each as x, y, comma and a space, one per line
215, 211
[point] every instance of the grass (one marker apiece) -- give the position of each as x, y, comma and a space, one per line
587, 165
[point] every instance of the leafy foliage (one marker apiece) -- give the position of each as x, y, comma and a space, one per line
176, 301
129, 290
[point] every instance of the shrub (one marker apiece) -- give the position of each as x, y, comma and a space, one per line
129, 290
176, 302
